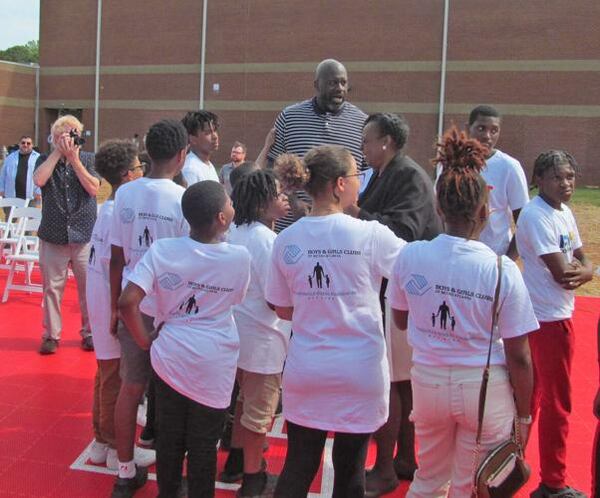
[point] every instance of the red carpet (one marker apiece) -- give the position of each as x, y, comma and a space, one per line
45, 410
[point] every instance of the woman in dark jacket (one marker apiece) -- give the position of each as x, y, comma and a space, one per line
399, 195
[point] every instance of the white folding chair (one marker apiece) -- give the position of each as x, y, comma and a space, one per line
8, 226
26, 251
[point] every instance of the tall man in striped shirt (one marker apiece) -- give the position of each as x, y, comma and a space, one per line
327, 118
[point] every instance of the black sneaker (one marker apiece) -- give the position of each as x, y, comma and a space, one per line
268, 489
126, 488
87, 343
234, 472
544, 491
48, 346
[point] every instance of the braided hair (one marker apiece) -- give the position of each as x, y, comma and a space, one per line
552, 159
252, 195
460, 188
392, 125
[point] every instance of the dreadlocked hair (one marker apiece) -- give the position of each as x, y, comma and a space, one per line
460, 187
552, 159
252, 195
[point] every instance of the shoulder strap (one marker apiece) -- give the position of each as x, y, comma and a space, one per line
486, 370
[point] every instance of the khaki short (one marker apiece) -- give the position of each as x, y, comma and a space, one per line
135, 365
259, 395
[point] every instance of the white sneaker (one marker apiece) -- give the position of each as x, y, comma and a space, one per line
144, 457
112, 460
98, 452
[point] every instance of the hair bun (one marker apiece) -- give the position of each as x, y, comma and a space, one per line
460, 154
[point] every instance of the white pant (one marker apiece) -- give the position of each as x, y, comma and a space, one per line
445, 406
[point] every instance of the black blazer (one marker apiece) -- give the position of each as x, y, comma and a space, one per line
403, 199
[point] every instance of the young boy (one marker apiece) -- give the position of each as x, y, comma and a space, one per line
554, 266
195, 355
118, 163
505, 178
145, 211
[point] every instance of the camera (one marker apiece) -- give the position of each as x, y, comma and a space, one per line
77, 140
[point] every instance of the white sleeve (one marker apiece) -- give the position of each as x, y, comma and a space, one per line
516, 315
517, 190
116, 230
395, 291
277, 290
244, 270
261, 262
540, 233
143, 274
386, 247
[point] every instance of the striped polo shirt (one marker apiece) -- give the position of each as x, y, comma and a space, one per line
302, 126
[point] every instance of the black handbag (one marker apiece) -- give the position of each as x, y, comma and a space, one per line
504, 470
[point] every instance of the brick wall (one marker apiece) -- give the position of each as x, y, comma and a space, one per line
537, 61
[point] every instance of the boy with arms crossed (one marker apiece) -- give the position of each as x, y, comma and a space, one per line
554, 266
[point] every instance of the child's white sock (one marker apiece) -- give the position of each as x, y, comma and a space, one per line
127, 469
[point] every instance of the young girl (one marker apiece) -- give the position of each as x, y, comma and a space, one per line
446, 286
291, 172
325, 276
258, 202
554, 266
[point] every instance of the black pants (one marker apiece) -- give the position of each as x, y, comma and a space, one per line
184, 425
305, 448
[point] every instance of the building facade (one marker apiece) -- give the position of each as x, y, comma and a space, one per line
17, 102
537, 61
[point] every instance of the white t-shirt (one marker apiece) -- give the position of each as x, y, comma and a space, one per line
450, 305
264, 338
329, 269
97, 289
508, 191
196, 170
196, 350
541, 229
146, 210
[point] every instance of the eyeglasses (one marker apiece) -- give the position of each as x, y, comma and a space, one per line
361, 176
141, 166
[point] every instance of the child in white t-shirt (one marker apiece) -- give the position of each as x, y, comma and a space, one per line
554, 266
145, 211
325, 276
118, 163
264, 338
444, 290
195, 355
